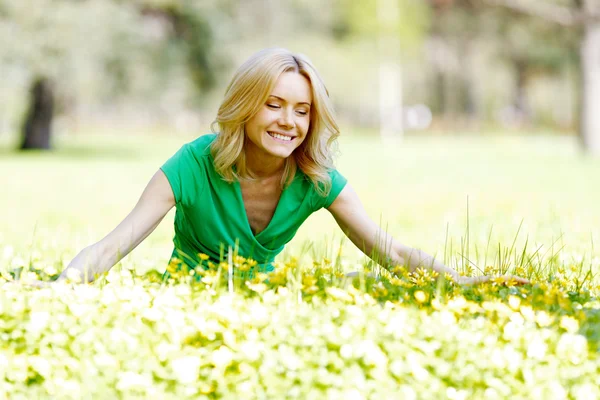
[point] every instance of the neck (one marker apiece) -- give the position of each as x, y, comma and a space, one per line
264, 167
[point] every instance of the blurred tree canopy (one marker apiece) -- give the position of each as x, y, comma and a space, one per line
472, 62
98, 47
582, 19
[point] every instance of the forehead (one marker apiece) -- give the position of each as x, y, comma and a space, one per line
293, 88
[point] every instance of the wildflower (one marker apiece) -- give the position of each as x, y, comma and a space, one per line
421, 296
380, 290
186, 368
514, 302
399, 270
489, 270
222, 357
339, 294
543, 319
510, 282
257, 287
569, 324
499, 280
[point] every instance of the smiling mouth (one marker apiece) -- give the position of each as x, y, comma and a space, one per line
280, 137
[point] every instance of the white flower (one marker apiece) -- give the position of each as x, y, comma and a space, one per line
346, 351
222, 357
129, 379
250, 350
186, 368
536, 350
38, 321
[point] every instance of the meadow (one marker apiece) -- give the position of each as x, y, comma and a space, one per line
497, 204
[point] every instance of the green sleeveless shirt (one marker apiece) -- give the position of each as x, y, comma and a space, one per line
210, 214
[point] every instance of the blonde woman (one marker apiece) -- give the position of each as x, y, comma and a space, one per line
256, 180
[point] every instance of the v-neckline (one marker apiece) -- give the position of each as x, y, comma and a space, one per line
238, 188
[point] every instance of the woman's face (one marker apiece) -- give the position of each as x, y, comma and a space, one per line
282, 123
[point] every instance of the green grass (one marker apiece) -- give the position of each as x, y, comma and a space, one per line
435, 193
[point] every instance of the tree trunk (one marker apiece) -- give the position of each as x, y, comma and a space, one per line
521, 100
589, 128
471, 107
37, 128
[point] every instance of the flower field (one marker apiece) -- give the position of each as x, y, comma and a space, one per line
307, 331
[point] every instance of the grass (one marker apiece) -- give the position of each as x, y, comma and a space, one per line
493, 205
456, 197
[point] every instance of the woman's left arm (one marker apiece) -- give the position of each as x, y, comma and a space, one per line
351, 216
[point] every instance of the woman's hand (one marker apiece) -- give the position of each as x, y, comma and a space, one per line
508, 280
19, 283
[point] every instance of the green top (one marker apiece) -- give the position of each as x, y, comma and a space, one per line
210, 214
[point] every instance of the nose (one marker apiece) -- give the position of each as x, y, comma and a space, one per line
286, 119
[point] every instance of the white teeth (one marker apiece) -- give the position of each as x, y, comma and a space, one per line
278, 136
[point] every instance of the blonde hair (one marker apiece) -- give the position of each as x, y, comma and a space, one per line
247, 92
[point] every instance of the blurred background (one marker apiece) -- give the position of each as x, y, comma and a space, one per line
116, 86
400, 65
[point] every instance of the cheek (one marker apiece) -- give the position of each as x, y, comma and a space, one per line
305, 124
258, 121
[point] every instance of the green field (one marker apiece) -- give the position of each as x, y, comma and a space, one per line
426, 191
527, 205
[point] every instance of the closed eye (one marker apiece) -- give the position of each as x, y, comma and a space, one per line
274, 106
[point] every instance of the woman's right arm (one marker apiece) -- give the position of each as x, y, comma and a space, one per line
154, 203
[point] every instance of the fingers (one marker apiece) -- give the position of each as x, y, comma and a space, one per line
38, 284
515, 280
31, 284
522, 281
500, 280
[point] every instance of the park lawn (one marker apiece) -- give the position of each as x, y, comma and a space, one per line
525, 205
435, 193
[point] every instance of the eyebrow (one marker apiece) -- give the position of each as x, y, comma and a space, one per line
284, 100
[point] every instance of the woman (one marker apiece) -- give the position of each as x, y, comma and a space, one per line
256, 181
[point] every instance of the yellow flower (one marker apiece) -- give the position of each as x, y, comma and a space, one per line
251, 262
490, 270
399, 270
308, 280
203, 256
238, 260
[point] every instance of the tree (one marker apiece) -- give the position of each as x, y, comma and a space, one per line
384, 21
462, 29
60, 45
96, 46
38, 121
581, 15
454, 34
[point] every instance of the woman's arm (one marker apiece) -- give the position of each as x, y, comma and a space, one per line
154, 203
349, 213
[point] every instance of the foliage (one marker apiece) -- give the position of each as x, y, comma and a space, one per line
81, 40
353, 18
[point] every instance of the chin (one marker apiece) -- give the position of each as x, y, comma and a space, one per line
281, 154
